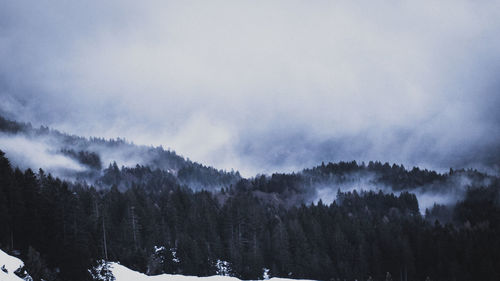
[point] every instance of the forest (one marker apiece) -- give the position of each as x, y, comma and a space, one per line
250, 140
156, 224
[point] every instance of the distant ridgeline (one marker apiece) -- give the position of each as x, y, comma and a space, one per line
99, 157
171, 215
94, 154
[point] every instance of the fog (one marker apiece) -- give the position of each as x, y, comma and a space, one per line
263, 86
447, 193
26, 153
49, 150
426, 198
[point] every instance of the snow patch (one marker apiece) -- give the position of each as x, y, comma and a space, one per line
174, 255
159, 249
223, 268
9, 265
265, 275
122, 273
102, 272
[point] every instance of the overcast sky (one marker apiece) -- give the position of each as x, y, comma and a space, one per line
262, 86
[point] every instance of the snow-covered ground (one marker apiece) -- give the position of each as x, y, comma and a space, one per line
8, 265
122, 273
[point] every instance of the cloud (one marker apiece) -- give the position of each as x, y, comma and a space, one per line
28, 153
447, 192
262, 86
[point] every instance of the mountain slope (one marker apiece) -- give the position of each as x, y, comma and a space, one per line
337, 220
78, 158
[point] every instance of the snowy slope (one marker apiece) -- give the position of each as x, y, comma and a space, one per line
122, 273
9, 264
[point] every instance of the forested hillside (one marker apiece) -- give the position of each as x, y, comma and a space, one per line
156, 225
96, 160
242, 140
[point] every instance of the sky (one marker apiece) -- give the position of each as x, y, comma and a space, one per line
263, 86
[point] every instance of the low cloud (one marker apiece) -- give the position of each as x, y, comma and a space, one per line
447, 192
265, 86
37, 153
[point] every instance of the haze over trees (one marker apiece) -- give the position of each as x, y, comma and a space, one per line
149, 220
327, 140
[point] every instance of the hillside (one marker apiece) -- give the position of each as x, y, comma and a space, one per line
157, 213
255, 224
96, 160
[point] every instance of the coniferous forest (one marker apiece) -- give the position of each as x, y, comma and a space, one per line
249, 140
156, 225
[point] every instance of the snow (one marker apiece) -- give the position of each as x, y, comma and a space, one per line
122, 273
174, 255
223, 268
9, 264
265, 275
159, 249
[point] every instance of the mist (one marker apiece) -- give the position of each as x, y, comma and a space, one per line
34, 154
263, 86
445, 192
426, 198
